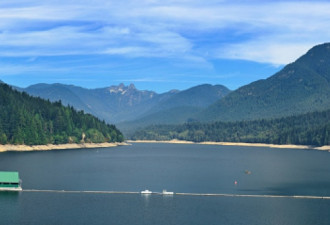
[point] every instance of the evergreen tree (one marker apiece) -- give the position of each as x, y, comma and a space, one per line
30, 120
307, 129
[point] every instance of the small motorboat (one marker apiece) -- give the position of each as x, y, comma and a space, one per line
167, 192
146, 192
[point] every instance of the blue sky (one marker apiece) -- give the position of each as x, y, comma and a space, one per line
156, 44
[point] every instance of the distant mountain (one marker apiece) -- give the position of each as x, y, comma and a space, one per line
300, 87
113, 104
199, 96
176, 115
179, 108
122, 103
126, 102
58, 92
33, 121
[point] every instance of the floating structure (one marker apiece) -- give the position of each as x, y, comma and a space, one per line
146, 192
9, 181
167, 192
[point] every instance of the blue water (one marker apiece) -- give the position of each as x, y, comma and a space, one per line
178, 168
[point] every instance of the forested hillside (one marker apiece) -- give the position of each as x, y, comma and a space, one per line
300, 87
30, 120
306, 129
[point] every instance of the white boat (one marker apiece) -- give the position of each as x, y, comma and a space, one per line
168, 192
146, 192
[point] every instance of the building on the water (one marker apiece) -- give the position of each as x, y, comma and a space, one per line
9, 181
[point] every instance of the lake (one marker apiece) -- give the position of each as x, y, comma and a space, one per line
184, 168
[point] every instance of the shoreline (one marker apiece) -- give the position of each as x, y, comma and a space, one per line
322, 148
49, 147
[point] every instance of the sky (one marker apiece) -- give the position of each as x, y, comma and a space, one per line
158, 45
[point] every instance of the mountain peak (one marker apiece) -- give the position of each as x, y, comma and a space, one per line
321, 51
174, 91
117, 89
121, 88
132, 86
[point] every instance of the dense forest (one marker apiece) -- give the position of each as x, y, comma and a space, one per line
307, 129
31, 121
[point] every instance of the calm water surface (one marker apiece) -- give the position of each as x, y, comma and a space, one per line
178, 168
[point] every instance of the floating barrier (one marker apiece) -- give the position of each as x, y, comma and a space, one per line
183, 194
92, 192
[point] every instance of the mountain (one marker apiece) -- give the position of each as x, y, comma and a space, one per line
122, 103
199, 96
300, 87
113, 104
127, 103
178, 108
32, 121
58, 92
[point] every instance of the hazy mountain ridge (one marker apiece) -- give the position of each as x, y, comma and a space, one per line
112, 104
199, 96
179, 108
57, 92
125, 103
300, 87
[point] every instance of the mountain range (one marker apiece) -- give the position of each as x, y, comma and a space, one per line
300, 87
121, 103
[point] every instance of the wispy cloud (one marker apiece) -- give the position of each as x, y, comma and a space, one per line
9, 69
275, 32
264, 51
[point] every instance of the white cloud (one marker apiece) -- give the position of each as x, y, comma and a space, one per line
264, 52
8, 69
264, 31
128, 50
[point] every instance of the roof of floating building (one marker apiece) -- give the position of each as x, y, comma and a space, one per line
9, 177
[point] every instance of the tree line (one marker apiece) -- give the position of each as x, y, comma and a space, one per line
307, 129
33, 121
